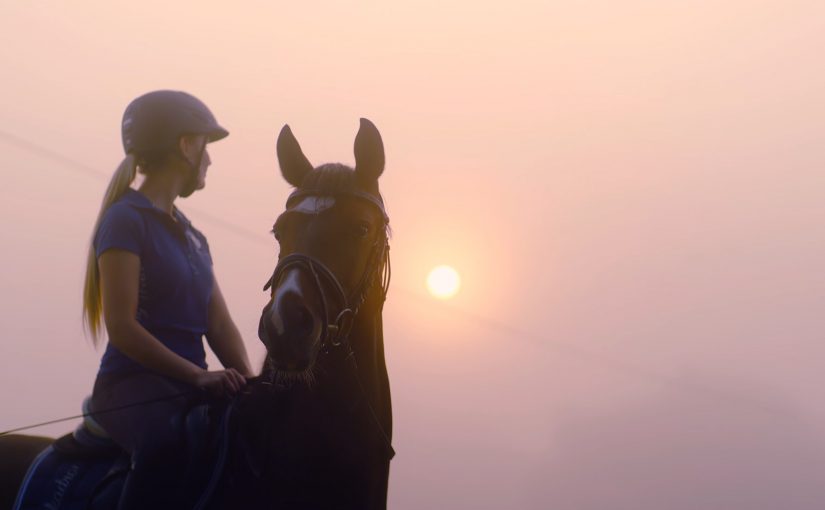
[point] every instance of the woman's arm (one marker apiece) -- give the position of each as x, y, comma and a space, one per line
223, 336
119, 285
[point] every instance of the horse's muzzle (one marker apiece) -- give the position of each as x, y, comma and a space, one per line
291, 332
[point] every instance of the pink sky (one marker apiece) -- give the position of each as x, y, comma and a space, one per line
633, 192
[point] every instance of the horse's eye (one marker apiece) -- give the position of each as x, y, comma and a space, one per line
277, 235
362, 230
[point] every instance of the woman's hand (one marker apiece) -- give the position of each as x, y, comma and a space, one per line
220, 382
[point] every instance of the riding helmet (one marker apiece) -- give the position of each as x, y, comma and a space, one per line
155, 121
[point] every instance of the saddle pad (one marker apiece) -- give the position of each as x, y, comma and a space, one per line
57, 482
65, 479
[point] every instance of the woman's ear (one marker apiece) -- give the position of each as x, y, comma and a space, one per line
191, 145
183, 145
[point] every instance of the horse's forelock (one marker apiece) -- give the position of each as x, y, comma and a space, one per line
331, 178
335, 178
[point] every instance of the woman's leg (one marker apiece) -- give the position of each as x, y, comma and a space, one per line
147, 432
139, 423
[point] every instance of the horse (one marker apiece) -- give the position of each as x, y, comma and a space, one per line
16, 454
314, 430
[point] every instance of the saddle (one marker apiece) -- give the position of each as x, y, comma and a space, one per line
86, 470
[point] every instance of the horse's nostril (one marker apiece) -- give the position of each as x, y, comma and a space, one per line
293, 340
296, 316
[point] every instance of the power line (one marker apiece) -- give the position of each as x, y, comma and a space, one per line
606, 360
49, 154
568, 348
97, 175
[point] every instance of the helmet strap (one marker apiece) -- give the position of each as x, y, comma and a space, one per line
191, 183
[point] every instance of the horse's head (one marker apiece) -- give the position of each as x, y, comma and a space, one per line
334, 253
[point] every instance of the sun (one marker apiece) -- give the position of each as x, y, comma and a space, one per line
443, 282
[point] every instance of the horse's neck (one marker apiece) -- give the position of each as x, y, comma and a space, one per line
367, 342
286, 429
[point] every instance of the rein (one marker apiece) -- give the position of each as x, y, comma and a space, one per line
103, 411
249, 381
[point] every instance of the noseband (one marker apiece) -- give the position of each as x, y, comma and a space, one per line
332, 333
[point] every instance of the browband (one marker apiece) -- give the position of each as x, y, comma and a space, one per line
377, 201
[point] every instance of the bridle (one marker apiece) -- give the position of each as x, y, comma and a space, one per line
335, 332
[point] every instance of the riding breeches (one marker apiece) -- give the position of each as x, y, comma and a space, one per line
142, 424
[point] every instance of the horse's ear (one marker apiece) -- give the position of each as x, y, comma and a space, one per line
294, 165
369, 152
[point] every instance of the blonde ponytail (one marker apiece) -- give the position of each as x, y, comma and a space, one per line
92, 305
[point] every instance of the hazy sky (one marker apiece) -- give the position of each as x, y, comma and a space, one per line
632, 191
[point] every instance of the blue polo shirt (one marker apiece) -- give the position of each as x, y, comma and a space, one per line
175, 276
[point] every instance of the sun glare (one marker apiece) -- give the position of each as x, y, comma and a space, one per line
443, 282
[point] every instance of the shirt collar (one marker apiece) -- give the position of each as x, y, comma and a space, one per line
137, 199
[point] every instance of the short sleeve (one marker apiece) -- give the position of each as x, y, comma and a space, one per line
120, 228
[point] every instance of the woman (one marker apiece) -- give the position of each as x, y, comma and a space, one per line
149, 276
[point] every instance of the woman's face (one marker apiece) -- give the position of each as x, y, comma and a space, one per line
191, 147
205, 162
